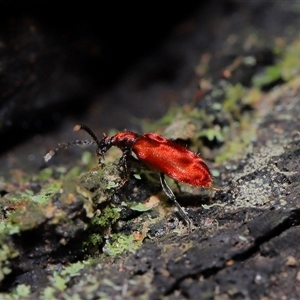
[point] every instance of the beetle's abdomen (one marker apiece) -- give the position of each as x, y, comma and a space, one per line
177, 162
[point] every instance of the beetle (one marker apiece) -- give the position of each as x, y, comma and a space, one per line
154, 151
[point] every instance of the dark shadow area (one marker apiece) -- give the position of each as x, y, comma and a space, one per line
57, 56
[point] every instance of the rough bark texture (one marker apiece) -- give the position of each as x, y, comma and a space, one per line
82, 231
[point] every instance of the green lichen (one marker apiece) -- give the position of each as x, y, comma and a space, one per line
45, 174
59, 282
23, 290
271, 74
94, 239
7, 252
28, 217
112, 185
286, 68
46, 193
119, 243
72, 173
290, 62
73, 269
49, 293
234, 95
104, 179
237, 143
107, 216
215, 133
141, 207
26, 210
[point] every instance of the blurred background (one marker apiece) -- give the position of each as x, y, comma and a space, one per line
112, 65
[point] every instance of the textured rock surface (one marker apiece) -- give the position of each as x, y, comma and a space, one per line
55, 234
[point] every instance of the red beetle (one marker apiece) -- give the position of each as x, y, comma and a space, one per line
157, 153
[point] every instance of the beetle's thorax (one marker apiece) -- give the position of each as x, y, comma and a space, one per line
124, 140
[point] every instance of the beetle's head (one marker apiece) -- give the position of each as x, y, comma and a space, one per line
103, 147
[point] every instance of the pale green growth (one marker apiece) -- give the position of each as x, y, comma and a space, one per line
120, 244
47, 192
59, 282
140, 207
6, 253
73, 269
86, 157
23, 290
108, 216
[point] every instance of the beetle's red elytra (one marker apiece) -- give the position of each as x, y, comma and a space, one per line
156, 153
174, 160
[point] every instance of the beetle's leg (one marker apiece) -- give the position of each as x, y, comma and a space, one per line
123, 161
127, 161
178, 186
171, 195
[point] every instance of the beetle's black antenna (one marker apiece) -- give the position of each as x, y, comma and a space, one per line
61, 146
89, 131
171, 195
